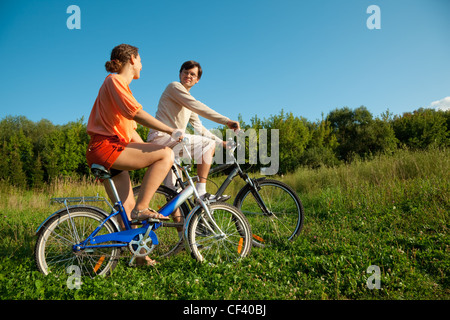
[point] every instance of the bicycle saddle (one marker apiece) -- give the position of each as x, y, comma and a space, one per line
100, 171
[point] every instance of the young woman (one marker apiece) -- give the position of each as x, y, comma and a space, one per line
114, 142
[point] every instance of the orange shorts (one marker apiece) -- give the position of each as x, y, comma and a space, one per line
104, 150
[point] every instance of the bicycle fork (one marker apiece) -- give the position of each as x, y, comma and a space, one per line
210, 226
254, 190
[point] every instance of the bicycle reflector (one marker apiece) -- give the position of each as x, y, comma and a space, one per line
258, 238
241, 241
99, 263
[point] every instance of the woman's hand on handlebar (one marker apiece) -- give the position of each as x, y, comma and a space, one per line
178, 135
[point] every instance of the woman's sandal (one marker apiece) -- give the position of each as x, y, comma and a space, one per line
138, 215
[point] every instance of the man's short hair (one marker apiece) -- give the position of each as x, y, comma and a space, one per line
192, 64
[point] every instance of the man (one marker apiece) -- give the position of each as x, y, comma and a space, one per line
176, 108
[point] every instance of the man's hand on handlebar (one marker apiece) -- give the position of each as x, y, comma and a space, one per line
233, 125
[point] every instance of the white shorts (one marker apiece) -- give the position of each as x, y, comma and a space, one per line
197, 147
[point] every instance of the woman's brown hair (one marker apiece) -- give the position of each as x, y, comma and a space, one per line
120, 55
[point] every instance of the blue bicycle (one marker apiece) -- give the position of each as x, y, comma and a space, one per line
89, 238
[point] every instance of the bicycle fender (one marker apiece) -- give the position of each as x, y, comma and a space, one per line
105, 214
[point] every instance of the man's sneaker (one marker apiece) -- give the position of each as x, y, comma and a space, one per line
221, 198
213, 198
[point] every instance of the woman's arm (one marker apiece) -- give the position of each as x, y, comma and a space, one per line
149, 121
135, 137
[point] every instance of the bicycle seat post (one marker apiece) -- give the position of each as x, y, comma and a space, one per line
111, 189
101, 173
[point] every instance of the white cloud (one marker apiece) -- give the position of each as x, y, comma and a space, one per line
443, 104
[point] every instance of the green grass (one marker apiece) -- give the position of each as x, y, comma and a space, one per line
392, 211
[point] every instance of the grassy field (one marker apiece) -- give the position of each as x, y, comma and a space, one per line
391, 212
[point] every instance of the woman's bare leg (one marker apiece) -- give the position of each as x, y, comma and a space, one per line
158, 159
125, 191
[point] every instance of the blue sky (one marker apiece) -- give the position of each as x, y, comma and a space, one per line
306, 57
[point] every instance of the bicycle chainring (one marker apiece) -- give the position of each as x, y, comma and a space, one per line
139, 247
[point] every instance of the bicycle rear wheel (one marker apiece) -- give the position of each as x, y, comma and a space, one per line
170, 242
284, 219
208, 245
54, 247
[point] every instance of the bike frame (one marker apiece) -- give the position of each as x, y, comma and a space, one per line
237, 170
124, 237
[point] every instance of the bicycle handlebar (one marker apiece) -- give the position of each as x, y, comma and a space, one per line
184, 142
231, 144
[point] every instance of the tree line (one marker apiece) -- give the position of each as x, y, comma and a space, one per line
35, 153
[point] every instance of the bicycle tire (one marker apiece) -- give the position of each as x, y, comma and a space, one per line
54, 246
169, 241
206, 246
286, 220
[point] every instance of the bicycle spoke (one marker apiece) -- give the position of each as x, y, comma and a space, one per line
211, 246
54, 249
285, 212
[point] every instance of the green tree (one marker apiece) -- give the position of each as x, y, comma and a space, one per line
64, 151
293, 138
4, 161
37, 173
422, 128
16, 154
52, 154
322, 146
358, 134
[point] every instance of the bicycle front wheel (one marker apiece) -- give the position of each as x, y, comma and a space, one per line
54, 247
283, 219
207, 244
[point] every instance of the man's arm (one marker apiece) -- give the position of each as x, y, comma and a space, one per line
179, 93
183, 97
200, 129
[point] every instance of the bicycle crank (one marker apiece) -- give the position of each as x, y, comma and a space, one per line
141, 247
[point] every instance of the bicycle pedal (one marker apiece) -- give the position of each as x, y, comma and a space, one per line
149, 220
